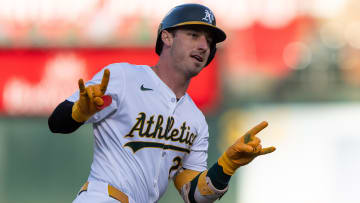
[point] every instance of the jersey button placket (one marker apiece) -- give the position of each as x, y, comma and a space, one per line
171, 112
173, 105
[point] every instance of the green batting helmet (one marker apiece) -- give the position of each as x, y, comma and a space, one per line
191, 14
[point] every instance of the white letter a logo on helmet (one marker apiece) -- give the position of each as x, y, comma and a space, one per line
209, 17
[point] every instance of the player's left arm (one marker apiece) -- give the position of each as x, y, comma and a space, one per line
210, 185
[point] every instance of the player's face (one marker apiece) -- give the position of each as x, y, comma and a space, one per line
190, 49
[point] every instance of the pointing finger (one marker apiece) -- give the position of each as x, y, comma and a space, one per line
251, 133
81, 86
259, 127
267, 150
105, 81
82, 91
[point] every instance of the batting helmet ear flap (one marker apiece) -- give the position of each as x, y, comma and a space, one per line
159, 42
212, 54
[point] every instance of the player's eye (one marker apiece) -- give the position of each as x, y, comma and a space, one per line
193, 34
209, 40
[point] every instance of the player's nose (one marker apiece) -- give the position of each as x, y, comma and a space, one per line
203, 43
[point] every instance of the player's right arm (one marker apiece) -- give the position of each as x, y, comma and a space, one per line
69, 116
210, 185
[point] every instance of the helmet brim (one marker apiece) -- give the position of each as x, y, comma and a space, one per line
218, 34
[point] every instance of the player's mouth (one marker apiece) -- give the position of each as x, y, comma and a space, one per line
197, 57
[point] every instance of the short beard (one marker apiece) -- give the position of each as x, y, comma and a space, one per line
194, 73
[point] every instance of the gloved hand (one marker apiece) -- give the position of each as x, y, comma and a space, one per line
91, 99
244, 150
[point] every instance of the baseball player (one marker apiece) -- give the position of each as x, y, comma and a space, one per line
147, 129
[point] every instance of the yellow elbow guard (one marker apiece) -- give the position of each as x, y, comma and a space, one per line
203, 191
183, 177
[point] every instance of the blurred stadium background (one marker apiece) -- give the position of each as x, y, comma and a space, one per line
294, 63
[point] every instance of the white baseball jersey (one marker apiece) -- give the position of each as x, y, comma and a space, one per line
145, 135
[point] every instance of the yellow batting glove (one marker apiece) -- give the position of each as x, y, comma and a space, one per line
91, 99
244, 150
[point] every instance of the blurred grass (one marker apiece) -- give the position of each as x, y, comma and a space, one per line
39, 166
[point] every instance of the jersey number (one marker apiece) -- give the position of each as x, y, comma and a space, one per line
177, 164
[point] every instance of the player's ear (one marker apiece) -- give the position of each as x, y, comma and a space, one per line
167, 37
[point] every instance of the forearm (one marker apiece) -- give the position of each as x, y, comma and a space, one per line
211, 185
61, 121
